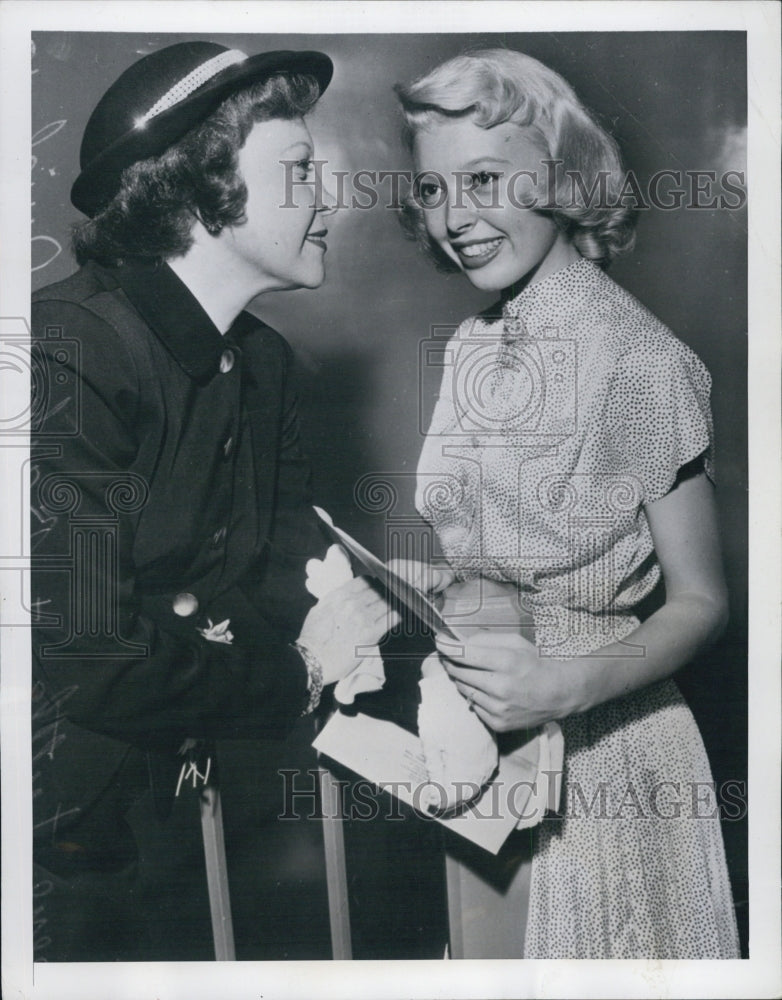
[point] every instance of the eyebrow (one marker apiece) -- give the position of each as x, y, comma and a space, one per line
487, 159
302, 143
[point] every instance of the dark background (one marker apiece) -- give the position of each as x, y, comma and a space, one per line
673, 100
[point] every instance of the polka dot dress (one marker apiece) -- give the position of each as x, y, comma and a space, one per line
558, 419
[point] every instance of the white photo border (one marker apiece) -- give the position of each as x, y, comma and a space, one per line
757, 976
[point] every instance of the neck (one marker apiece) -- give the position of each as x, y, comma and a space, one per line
220, 282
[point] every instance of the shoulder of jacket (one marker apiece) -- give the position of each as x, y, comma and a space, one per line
92, 293
89, 310
78, 288
92, 290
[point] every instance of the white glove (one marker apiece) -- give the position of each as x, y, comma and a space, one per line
461, 753
324, 576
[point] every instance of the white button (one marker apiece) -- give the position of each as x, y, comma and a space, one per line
228, 447
185, 605
226, 361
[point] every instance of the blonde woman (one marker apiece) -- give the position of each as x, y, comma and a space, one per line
573, 437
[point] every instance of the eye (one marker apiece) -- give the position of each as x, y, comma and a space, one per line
428, 189
483, 179
304, 169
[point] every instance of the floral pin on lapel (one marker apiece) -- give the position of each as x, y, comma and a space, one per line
217, 633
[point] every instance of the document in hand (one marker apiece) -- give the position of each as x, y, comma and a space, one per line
405, 592
526, 784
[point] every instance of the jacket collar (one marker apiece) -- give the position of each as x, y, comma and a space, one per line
172, 311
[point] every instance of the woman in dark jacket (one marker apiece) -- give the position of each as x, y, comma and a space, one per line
171, 512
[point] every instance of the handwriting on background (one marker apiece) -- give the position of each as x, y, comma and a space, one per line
45, 716
43, 247
42, 521
46, 736
41, 940
41, 244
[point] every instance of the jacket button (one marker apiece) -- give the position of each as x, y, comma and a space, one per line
219, 536
185, 605
228, 447
226, 361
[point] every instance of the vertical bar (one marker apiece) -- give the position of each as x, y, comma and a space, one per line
217, 874
488, 902
453, 888
336, 870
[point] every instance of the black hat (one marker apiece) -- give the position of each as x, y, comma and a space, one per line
161, 97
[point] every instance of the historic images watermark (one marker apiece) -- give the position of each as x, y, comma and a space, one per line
658, 800
553, 188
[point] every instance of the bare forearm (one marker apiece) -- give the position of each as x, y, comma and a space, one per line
667, 640
511, 686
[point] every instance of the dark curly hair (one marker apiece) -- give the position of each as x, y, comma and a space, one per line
491, 86
152, 215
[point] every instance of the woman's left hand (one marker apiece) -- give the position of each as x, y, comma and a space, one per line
502, 675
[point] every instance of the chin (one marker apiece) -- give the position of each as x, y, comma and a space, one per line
311, 278
313, 282
499, 275
490, 279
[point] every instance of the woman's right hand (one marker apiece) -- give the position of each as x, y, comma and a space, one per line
343, 624
506, 681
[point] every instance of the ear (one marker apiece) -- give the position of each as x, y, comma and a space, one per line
213, 226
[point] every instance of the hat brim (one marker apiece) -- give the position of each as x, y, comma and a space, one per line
98, 182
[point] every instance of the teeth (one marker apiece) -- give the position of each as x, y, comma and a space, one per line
480, 249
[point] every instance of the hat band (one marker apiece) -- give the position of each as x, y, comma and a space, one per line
195, 78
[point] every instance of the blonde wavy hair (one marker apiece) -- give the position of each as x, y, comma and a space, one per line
492, 86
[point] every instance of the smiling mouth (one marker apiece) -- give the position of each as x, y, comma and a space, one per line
318, 238
478, 252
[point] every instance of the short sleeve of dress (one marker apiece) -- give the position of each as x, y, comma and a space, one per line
657, 416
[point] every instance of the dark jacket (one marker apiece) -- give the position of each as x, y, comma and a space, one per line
168, 491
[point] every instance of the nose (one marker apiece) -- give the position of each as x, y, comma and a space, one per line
325, 201
459, 213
